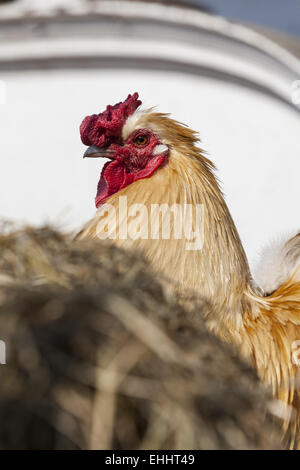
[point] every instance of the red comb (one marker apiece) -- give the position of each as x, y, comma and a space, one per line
105, 128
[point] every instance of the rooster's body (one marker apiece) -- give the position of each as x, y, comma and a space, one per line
264, 325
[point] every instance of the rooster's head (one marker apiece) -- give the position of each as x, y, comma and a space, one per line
131, 143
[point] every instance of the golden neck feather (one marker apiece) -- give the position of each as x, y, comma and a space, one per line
219, 270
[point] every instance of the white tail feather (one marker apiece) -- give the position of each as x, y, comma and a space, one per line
278, 261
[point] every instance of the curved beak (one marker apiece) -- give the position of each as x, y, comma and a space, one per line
97, 152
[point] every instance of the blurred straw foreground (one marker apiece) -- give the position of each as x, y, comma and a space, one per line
100, 356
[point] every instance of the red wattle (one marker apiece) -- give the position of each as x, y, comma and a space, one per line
114, 177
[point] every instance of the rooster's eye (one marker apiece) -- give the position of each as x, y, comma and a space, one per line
141, 140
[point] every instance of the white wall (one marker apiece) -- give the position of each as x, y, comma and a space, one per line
253, 140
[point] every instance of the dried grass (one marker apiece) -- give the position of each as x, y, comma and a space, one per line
100, 356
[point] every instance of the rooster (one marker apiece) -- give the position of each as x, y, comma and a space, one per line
155, 161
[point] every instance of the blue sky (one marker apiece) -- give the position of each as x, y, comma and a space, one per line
283, 15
